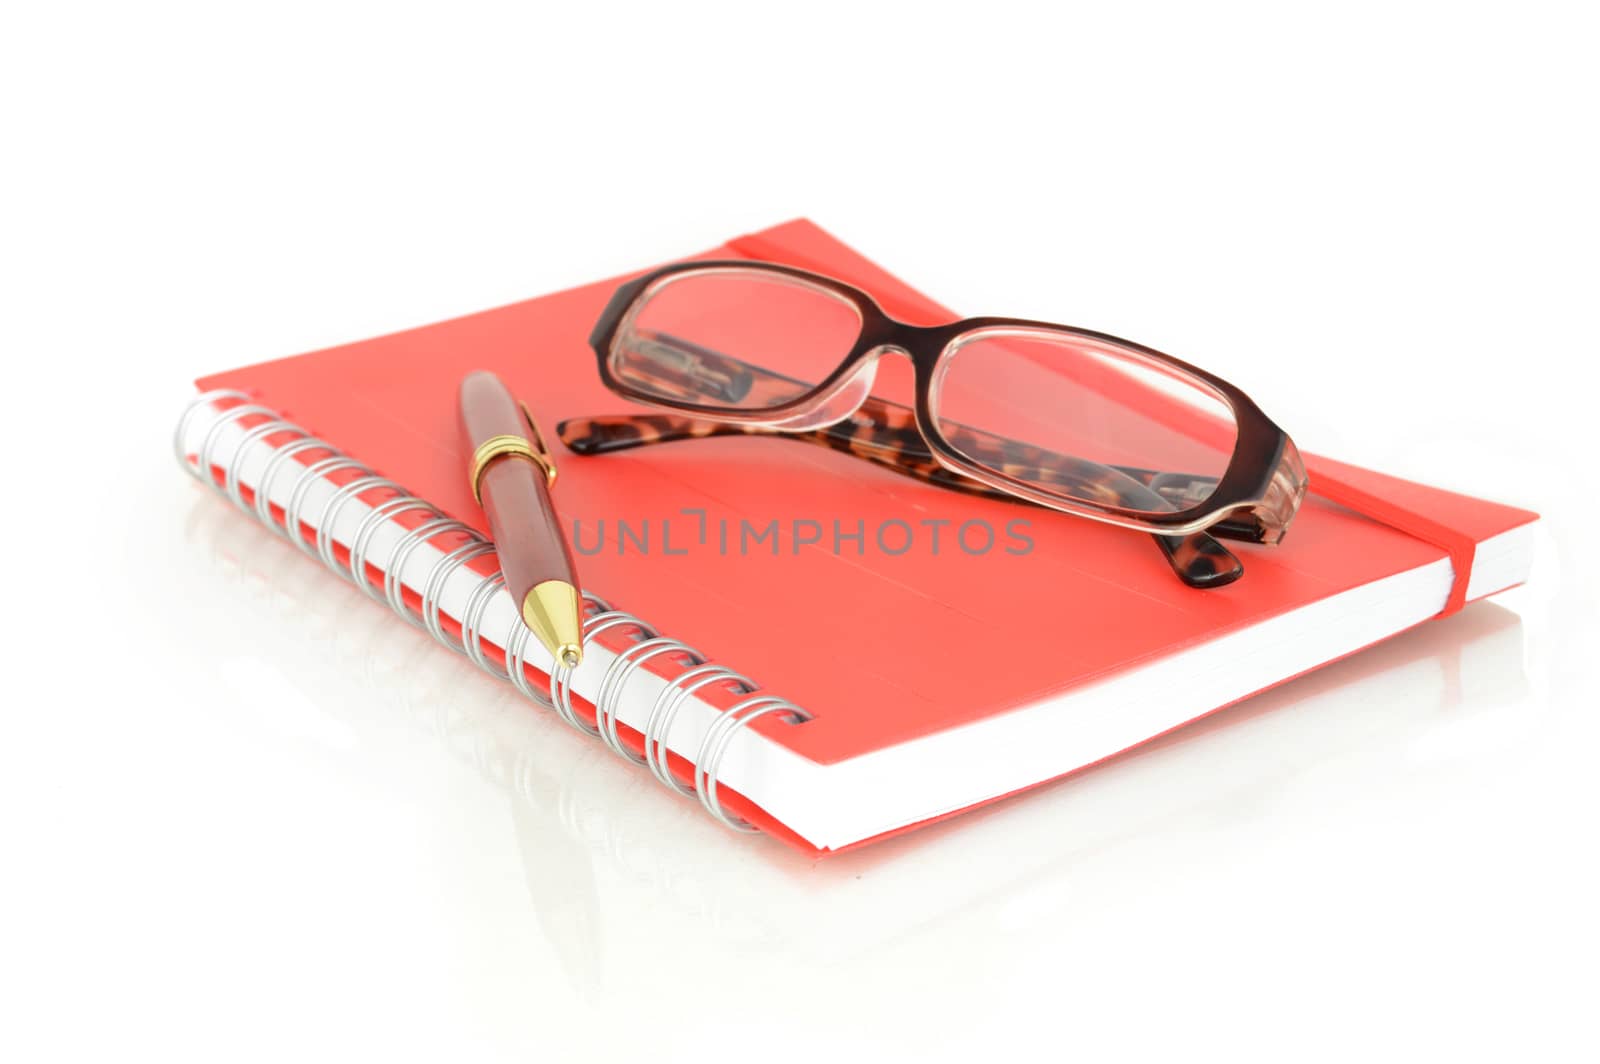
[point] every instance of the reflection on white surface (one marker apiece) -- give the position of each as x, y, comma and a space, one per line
620, 874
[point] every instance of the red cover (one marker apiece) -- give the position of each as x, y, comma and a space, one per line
879, 647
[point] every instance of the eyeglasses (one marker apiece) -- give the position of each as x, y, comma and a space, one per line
1077, 421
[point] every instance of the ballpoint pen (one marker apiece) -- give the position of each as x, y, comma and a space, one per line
511, 473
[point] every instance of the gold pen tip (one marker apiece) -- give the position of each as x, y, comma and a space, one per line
552, 610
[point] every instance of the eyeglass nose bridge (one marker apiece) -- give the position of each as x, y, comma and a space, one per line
845, 396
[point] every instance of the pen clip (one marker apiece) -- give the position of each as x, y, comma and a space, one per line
541, 452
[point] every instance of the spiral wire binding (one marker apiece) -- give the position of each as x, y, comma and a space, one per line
330, 510
561, 672
231, 485
645, 643
516, 647
369, 526
715, 744
269, 477
437, 577
616, 678
472, 623
665, 710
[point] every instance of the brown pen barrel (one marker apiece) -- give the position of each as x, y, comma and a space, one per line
516, 497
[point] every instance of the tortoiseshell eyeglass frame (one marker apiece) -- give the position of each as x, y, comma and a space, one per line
1254, 499
884, 433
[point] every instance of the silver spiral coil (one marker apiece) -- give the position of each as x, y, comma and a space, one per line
715, 744
203, 456
517, 649
362, 540
180, 435
561, 672
645, 643
230, 486
269, 476
330, 513
516, 667
665, 710
614, 682
433, 586
301, 487
472, 623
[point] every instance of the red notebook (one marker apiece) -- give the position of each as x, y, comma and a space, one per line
928, 680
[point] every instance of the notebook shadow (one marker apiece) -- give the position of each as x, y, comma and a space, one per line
599, 841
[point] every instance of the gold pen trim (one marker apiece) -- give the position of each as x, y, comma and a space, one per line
507, 446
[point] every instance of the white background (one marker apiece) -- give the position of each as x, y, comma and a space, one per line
248, 816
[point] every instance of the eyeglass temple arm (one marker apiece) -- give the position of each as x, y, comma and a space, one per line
881, 432
886, 436
1198, 559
